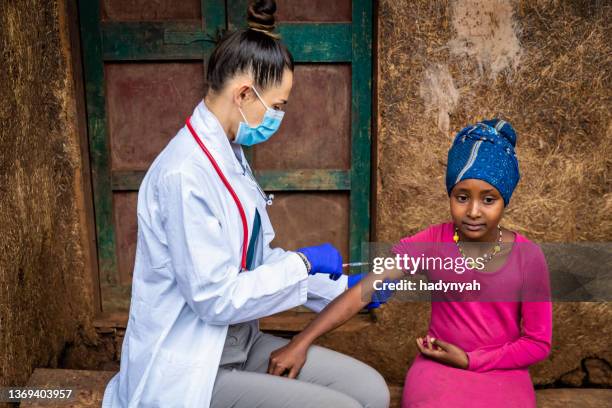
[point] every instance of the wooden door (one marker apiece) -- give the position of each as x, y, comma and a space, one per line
144, 74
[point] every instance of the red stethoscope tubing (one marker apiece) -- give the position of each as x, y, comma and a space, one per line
245, 230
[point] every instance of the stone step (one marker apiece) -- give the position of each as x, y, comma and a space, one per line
574, 397
89, 387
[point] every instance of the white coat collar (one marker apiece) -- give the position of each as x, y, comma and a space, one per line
210, 131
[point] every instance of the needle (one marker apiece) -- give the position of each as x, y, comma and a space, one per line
351, 264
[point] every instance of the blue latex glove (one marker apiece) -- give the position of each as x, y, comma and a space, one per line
324, 258
354, 279
378, 298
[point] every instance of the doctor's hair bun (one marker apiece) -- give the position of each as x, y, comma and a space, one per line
260, 16
255, 50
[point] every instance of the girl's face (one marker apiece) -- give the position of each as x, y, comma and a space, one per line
476, 208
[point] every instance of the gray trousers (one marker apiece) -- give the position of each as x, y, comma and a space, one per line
328, 379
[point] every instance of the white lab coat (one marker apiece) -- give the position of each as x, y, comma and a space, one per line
186, 286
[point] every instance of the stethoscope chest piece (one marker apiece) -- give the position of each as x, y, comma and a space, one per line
267, 197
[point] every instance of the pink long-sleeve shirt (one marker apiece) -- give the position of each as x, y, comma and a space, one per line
502, 335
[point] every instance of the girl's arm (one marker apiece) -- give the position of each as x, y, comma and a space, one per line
536, 336
292, 356
533, 345
345, 306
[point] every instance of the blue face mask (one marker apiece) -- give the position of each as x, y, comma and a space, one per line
248, 136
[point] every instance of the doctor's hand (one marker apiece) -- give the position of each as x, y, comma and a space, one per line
288, 359
324, 258
442, 352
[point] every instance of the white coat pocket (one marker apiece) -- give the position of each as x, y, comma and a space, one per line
175, 381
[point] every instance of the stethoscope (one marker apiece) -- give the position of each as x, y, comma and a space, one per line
268, 199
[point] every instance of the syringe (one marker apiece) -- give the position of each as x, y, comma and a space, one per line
352, 264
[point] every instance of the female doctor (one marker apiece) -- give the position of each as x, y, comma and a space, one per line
204, 271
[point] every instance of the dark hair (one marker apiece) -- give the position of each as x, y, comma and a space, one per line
256, 49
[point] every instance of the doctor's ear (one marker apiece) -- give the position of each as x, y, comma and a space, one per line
243, 94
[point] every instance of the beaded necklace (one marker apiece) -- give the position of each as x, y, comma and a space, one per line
486, 257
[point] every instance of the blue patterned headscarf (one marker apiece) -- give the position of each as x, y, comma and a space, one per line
485, 151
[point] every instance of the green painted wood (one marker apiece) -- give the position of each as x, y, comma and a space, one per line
213, 17
127, 180
115, 298
142, 41
98, 144
314, 180
361, 113
137, 41
291, 180
318, 42
236, 14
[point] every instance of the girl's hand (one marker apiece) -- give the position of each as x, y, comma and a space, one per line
442, 352
290, 357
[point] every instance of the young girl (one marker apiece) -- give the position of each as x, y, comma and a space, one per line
475, 353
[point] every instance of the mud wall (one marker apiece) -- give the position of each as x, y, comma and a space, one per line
545, 67
46, 297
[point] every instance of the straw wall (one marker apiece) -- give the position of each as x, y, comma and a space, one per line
45, 294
